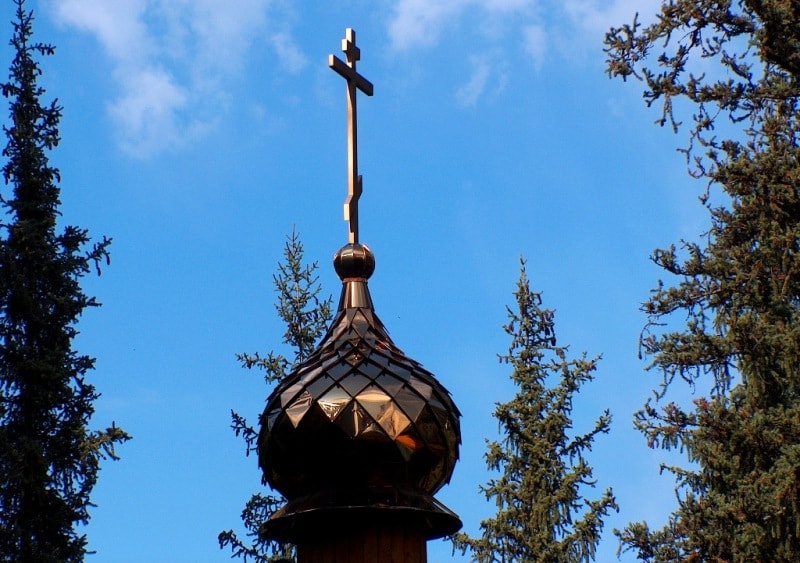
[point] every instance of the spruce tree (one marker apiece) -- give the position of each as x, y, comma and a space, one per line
727, 320
542, 515
306, 317
49, 459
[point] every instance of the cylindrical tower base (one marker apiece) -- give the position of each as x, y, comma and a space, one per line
380, 526
369, 544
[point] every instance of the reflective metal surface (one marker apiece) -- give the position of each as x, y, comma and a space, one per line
358, 413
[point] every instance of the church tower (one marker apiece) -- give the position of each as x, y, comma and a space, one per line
359, 437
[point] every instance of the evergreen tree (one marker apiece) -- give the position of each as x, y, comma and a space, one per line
49, 459
541, 513
737, 290
306, 317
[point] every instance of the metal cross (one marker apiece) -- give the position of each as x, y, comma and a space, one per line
354, 82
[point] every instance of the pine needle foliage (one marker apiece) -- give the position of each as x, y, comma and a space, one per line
727, 321
542, 515
306, 317
49, 459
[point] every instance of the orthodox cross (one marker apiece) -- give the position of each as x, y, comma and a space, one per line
354, 82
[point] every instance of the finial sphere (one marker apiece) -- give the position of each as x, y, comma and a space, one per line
354, 261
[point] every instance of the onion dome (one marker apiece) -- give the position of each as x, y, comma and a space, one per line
358, 425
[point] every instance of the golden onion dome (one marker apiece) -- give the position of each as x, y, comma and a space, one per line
358, 424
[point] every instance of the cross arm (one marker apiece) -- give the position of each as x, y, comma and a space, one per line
349, 74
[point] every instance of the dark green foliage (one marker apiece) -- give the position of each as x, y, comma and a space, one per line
49, 459
306, 318
738, 290
541, 513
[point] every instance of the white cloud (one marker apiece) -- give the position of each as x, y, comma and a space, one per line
536, 28
489, 76
419, 22
468, 94
117, 25
171, 59
289, 54
535, 41
147, 111
597, 16
217, 33
416, 23
505, 5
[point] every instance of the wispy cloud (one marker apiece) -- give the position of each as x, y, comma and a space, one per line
597, 16
489, 76
529, 26
415, 23
117, 25
535, 41
289, 54
420, 23
147, 110
468, 94
170, 61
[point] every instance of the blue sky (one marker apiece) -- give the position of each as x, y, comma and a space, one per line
199, 133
